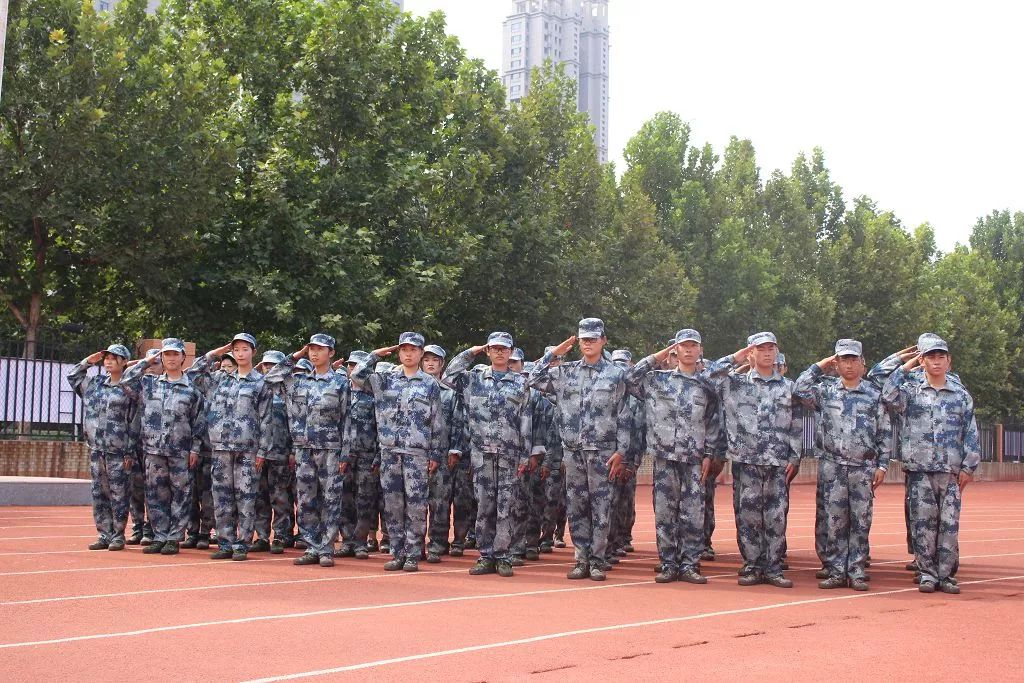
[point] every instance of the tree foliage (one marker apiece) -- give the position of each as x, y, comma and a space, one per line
290, 166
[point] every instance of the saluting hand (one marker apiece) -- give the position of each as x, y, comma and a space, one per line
94, 358
565, 347
301, 353
385, 351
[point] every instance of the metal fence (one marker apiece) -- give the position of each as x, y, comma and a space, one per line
1013, 443
36, 400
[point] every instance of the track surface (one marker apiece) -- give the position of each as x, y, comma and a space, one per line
67, 613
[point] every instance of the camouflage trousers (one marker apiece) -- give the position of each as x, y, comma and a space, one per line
589, 498
819, 516
137, 497
168, 495
906, 514
623, 513
201, 514
439, 507
403, 482
275, 506
110, 493
553, 522
463, 504
318, 489
235, 485
761, 500
709, 510
527, 512
846, 502
359, 496
935, 515
678, 513
496, 484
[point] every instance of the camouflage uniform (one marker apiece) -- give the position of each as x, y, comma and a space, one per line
410, 428
464, 507
318, 418
275, 505
201, 520
682, 430
172, 426
763, 435
620, 536
528, 498
856, 439
109, 412
499, 428
238, 408
595, 424
553, 522
939, 440
362, 478
877, 376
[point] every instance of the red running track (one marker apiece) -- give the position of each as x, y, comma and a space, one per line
67, 613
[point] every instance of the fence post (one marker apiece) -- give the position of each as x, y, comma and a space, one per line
999, 442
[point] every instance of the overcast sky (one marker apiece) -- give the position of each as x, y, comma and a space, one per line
916, 104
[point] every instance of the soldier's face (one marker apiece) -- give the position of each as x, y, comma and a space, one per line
432, 364
172, 360
592, 347
242, 351
349, 367
499, 356
410, 355
155, 367
850, 367
515, 366
113, 364
688, 353
763, 356
320, 356
936, 363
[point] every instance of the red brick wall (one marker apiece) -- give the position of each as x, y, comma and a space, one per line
68, 459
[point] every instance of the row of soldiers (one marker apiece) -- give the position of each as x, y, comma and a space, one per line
517, 433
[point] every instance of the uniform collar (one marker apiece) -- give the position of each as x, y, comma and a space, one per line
507, 376
181, 380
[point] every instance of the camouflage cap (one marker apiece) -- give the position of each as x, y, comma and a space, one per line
687, 335
500, 339
304, 365
119, 350
759, 338
622, 355
929, 342
321, 339
386, 367
590, 328
151, 353
849, 347
272, 357
173, 344
413, 338
780, 360
436, 350
245, 337
357, 356
517, 354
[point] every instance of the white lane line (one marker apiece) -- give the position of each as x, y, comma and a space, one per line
597, 629
207, 563
47, 525
302, 615
39, 538
257, 584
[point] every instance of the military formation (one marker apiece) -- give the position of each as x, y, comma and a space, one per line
313, 451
